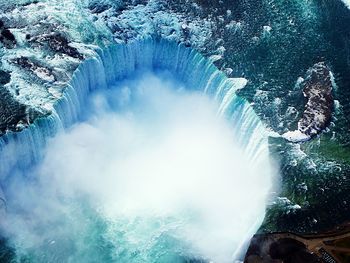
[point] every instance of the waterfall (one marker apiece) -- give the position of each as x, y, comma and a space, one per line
22, 149
118, 62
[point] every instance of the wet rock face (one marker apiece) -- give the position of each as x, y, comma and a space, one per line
58, 43
14, 116
12, 113
6, 37
266, 249
317, 89
5, 77
43, 73
319, 107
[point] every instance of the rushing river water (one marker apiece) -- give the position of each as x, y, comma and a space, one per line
138, 164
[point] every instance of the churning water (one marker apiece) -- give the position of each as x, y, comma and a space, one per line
152, 169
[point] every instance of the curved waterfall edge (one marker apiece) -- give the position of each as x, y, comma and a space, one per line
121, 61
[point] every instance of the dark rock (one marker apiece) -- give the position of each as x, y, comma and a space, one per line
35, 68
23, 62
317, 89
11, 112
285, 247
268, 249
31, 2
97, 8
5, 77
8, 35
7, 38
319, 107
59, 43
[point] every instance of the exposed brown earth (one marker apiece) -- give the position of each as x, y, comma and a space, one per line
328, 247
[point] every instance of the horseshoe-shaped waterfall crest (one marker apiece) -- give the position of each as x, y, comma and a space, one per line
22, 151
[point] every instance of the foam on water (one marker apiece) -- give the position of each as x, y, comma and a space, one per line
139, 168
347, 3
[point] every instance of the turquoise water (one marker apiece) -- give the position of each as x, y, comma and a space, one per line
301, 33
152, 172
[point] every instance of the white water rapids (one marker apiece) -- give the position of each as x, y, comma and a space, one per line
152, 170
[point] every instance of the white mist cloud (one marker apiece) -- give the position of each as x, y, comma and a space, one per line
157, 165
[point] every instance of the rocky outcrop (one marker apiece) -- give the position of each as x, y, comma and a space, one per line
5, 77
42, 43
267, 248
14, 115
317, 89
57, 43
43, 73
327, 246
6, 37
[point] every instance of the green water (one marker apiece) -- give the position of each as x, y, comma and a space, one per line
94, 239
301, 33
